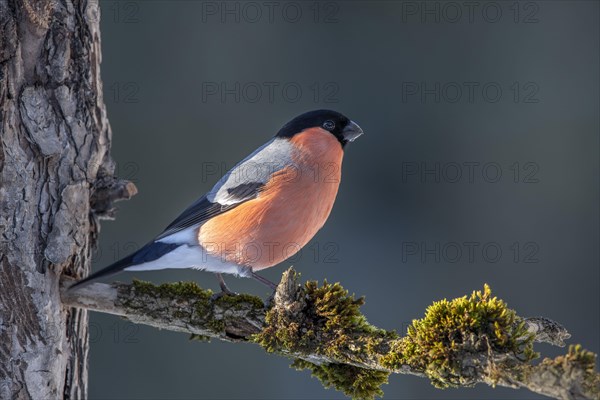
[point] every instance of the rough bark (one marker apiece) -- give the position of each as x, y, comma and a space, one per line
54, 164
57, 179
184, 307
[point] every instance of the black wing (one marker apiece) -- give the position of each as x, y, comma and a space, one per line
203, 209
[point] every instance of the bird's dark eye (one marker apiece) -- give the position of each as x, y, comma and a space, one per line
329, 124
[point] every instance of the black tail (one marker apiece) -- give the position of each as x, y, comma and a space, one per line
150, 252
112, 269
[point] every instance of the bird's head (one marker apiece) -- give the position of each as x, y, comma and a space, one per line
333, 122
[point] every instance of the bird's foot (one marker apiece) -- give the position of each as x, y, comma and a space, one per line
264, 281
224, 289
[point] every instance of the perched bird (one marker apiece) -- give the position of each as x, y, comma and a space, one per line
263, 211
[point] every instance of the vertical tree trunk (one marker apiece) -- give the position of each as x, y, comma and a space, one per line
56, 180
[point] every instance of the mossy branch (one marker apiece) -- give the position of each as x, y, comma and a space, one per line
462, 342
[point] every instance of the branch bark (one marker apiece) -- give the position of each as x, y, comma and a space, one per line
56, 175
184, 307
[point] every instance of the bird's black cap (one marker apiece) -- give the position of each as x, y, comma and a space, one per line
337, 124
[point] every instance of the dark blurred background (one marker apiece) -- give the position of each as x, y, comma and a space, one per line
479, 165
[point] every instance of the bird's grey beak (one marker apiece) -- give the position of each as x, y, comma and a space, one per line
351, 131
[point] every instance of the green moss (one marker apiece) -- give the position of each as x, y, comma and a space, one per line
577, 355
180, 290
335, 307
474, 324
202, 304
216, 325
394, 358
235, 301
580, 359
225, 304
327, 321
199, 299
358, 383
327, 324
200, 338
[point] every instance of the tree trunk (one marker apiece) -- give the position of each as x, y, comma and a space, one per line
56, 178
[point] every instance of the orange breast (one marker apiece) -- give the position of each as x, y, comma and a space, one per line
289, 211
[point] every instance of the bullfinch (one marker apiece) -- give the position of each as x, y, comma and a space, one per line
261, 212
